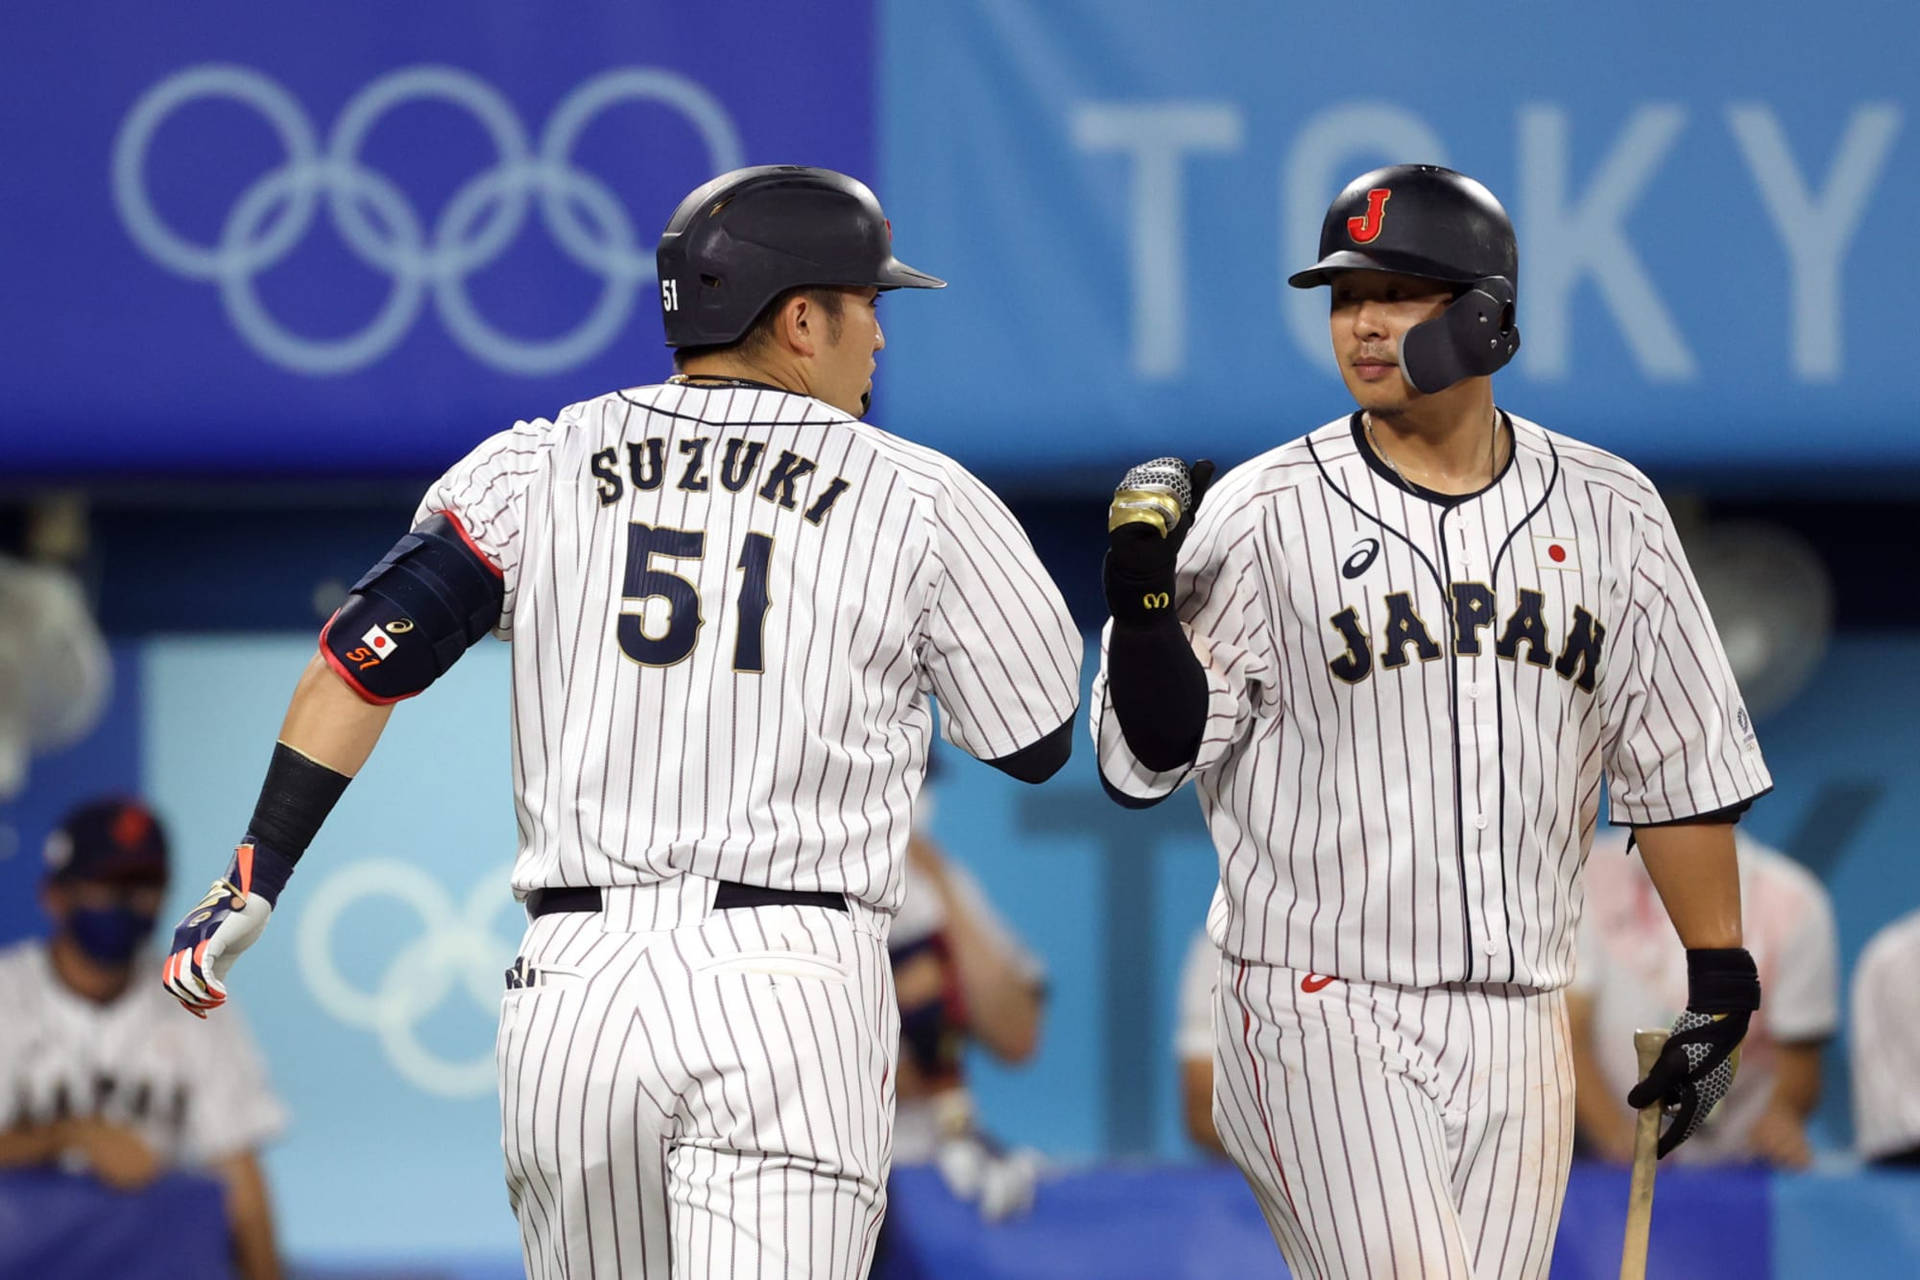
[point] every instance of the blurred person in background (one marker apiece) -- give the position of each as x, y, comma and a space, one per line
1633, 973
962, 976
99, 1073
1885, 1051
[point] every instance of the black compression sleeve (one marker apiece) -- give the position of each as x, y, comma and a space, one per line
1038, 761
1159, 693
295, 799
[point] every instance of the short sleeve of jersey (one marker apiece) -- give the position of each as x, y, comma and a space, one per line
234, 1109
1000, 649
1220, 593
1193, 1020
483, 494
1679, 741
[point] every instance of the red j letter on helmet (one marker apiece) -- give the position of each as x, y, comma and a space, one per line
1366, 230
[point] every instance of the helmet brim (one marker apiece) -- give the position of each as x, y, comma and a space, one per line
1405, 264
895, 274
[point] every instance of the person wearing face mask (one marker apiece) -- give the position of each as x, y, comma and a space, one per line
99, 1074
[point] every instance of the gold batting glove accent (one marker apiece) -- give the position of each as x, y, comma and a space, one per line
1158, 509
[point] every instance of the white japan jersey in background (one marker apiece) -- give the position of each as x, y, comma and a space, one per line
1412, 704
196, 1092
729, 608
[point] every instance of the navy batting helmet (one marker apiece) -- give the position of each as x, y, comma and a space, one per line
1423, 220
739, 241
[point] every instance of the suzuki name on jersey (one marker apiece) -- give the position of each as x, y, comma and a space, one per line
1473, 609
648, 463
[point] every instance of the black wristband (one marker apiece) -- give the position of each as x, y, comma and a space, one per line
294, 800
1722, 980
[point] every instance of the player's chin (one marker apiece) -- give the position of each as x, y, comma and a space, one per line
1378, 395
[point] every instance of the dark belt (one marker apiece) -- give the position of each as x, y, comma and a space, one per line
546, 902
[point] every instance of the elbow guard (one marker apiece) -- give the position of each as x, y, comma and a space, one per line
412, 615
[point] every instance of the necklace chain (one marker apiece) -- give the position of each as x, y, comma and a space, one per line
720, 380
1493, 451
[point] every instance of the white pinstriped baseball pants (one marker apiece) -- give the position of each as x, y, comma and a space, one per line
1396, 1131
691, 1093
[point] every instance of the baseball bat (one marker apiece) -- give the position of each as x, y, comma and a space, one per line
1646, 1144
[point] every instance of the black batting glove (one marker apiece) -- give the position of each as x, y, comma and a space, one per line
1695, 1069
1139, 570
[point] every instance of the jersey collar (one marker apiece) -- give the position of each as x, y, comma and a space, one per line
1356, 427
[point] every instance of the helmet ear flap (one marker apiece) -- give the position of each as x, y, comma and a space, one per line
1475, 336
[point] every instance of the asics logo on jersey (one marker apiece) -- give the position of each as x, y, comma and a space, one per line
1360, 559
379, 224
455, 950
1522, 637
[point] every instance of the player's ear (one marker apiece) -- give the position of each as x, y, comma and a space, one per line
797, 324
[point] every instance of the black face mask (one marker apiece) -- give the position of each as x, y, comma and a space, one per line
109, 935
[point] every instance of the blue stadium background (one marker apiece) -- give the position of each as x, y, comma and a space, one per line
271, 268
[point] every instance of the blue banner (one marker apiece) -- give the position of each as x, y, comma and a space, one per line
1713, 203
354, 237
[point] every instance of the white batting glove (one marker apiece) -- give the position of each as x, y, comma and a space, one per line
222, 925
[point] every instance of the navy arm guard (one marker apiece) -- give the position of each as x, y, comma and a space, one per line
412, 615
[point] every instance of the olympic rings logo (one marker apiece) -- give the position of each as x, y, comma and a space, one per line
456, 948
380, 226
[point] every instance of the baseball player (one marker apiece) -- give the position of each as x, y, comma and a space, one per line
731, 604
99, 1073
1397, 656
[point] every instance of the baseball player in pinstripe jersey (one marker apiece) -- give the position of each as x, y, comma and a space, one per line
730, 603
1397, 657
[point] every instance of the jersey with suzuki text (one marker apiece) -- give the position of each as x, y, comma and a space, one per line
730, 609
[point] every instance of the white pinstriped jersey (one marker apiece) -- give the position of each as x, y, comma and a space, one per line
728, 608
1413, 702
